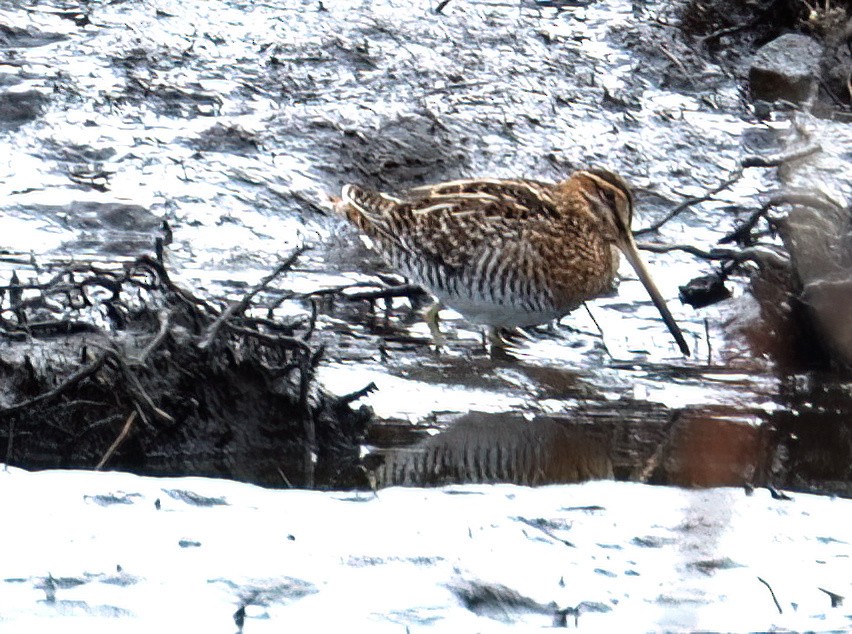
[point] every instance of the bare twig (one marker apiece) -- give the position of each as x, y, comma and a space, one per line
273, 341
134, 386
712, 254
689, 202
757, 254
181, 293
237, 308
28, 329
275, 325
729, 30
354, 396
661, 450
774, 160
777, 605
600, 330
441, 5
808, 199
164, 318
402, 290
125, 431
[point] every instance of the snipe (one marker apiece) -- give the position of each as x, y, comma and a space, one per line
508, 253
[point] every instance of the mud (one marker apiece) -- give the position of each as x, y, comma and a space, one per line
234, 123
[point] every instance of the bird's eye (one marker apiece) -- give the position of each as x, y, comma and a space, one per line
608, 197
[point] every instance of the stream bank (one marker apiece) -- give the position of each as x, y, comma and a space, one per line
233, 123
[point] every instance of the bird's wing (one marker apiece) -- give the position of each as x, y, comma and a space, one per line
453, 223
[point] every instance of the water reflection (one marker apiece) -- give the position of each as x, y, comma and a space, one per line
713, 446
813, 433
808, 447
481, 447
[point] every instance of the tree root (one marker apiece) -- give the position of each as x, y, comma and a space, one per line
121, 366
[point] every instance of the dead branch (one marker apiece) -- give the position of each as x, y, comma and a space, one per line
741, 234
401, 290
240, 306
103, 422
164, 317
138, 392
125, 431
157, 268
774, 160
273, 341
364, 391
712, 254
729, 30
689, 202
757, 254
66, 385
772, 592
48, 328
150, 376
274, 325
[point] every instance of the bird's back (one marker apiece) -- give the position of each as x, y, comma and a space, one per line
501, 252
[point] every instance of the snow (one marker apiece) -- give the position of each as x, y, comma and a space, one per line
97, 552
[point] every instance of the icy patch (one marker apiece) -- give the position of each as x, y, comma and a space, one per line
84, 549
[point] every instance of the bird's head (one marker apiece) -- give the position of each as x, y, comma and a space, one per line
611, 200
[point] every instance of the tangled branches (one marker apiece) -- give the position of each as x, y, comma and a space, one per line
123, 367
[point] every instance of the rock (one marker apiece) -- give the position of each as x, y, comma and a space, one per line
704, 290
19, 107
820, 246
786, 68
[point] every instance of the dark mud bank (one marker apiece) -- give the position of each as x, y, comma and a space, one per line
123, 369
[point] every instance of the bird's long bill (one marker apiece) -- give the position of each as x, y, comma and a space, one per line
628, 247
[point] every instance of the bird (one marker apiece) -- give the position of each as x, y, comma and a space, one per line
508, 253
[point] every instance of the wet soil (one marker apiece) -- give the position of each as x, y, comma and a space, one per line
235, 122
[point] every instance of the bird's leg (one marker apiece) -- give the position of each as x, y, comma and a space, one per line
431, 317
492, 342
491, 338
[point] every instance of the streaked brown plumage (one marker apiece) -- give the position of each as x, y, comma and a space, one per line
508, 253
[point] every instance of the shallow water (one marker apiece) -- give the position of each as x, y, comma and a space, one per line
235, 121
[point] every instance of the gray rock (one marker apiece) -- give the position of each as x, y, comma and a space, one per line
818, 239
786, 68
19, 107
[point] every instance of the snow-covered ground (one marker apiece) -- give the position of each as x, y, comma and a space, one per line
113, 552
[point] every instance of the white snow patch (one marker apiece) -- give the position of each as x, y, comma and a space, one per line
649, 558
